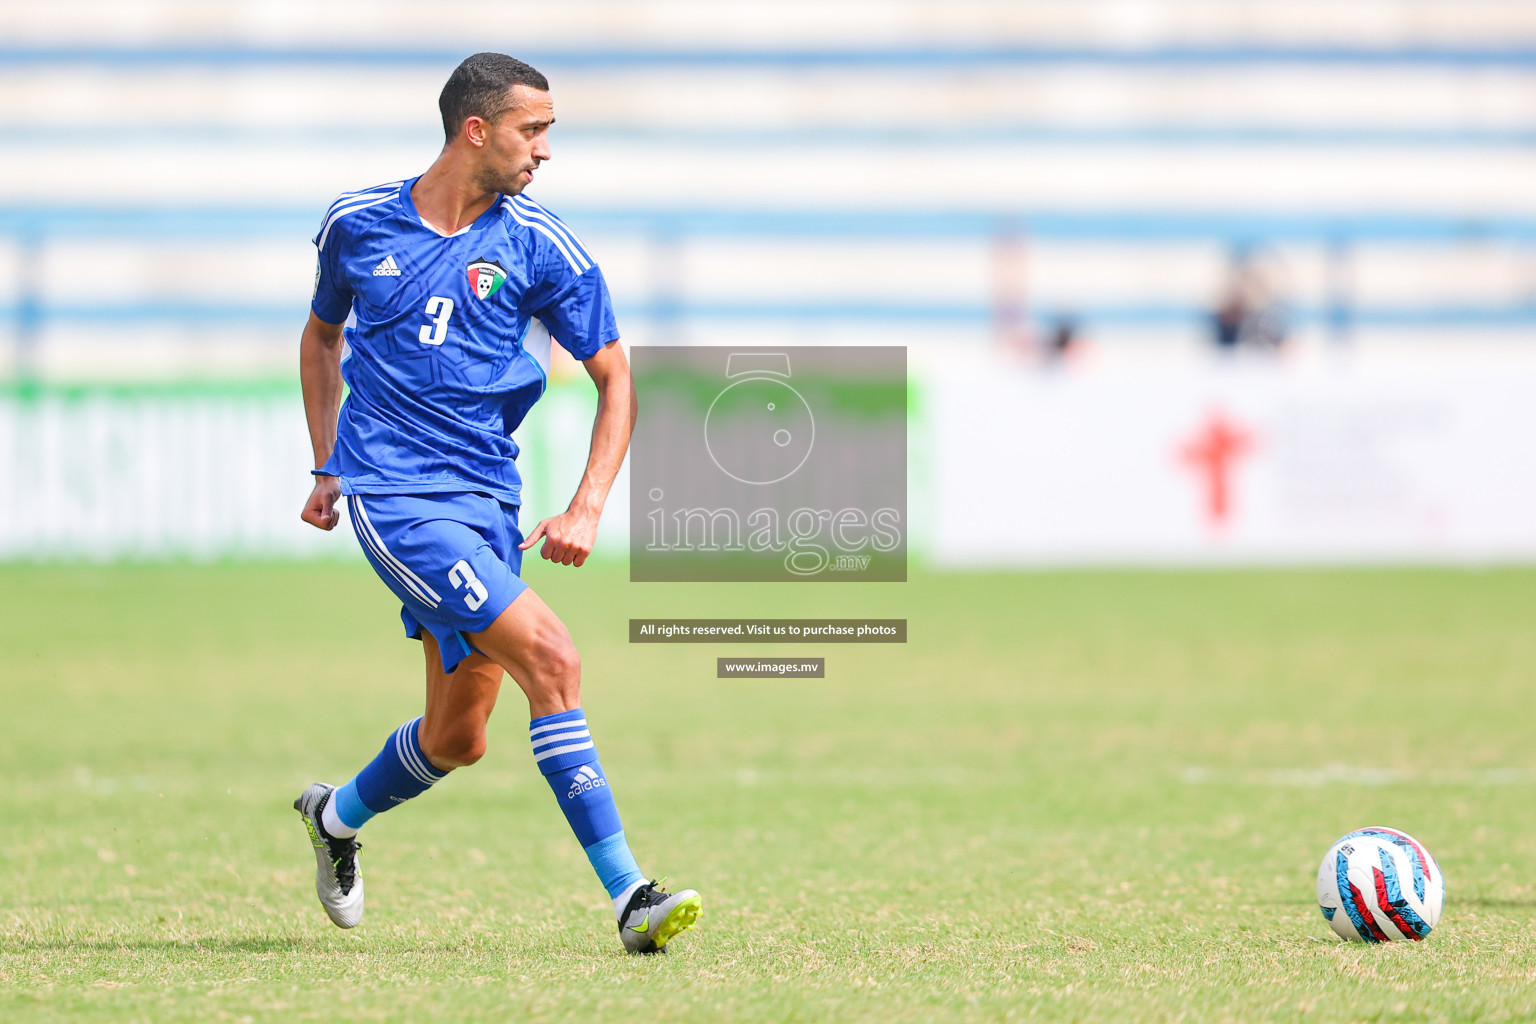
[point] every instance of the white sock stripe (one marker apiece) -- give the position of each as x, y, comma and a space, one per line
366, 539
564, 750
408, 757
575, 723
560, 737
405, 759
408, 752
432, 597
427, 767
413, 764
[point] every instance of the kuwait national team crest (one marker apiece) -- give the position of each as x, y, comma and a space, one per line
486, 277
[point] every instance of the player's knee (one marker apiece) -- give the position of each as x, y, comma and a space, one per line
559, 662
468, 750
557, 673
454, 748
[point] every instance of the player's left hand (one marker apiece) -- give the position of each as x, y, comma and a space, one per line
567, 537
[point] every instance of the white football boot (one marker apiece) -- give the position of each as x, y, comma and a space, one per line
652, 917
338, 879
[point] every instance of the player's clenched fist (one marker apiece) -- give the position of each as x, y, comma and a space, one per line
320, 509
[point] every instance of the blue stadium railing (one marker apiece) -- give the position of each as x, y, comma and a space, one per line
995, 134
1518, 55
33, 227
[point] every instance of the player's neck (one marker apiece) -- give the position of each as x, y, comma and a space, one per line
447, 198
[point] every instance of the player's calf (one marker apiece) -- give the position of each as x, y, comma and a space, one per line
332, 815
531, 642
399, 772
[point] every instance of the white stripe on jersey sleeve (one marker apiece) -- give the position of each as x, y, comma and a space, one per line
538, 212
333, 218
577, 263
346, 197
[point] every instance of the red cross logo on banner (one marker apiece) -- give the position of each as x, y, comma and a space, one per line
1212, 453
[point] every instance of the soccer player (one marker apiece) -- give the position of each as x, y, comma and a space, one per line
455, 283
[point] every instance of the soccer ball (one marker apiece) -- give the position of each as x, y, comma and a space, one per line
1379, 885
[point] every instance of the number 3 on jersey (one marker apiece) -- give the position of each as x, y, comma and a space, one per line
461, 575
436, 332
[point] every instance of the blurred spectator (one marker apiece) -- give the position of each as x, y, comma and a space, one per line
1251, 314
1062, 343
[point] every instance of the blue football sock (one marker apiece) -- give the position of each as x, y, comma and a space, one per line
563, 748
400, 772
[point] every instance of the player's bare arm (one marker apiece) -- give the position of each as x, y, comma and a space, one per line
568, 537
320, 372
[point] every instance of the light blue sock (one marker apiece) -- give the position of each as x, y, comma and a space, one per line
563, 748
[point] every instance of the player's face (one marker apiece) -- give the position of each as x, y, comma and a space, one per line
518, 141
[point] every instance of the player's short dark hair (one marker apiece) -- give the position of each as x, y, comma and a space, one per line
479, 87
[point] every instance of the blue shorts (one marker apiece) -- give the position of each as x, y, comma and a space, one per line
451, 559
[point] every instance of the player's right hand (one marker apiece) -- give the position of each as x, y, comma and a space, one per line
320, 509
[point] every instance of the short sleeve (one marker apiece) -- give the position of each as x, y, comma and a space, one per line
580, 315
333, 296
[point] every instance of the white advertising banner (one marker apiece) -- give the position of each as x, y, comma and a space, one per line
1416, 459
103, 474
1120, 461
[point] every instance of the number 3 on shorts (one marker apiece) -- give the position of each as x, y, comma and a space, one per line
461, 575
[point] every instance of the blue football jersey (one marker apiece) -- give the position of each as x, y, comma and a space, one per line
448, 336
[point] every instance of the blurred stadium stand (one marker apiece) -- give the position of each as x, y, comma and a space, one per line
950, 176
849, 170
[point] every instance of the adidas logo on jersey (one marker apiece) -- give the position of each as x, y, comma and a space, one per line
387, 267
586, 779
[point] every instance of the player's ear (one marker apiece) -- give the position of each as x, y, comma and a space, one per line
476, 130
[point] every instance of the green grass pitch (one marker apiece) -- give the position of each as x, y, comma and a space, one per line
1076, 796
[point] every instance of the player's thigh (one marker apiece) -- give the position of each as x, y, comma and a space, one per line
531, 642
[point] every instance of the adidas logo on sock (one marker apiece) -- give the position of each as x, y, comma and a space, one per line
387, 267
585, 780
